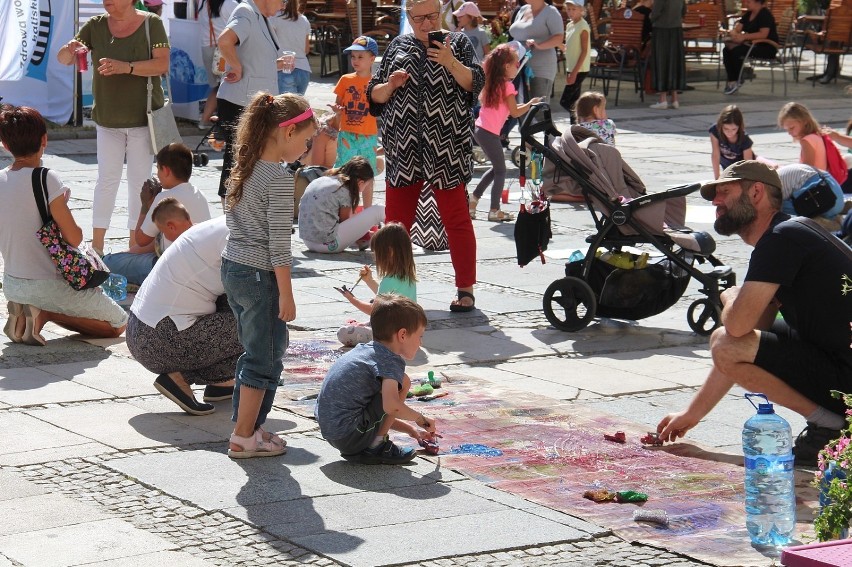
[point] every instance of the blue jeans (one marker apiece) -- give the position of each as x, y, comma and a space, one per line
134, 267
253, 297
295, 82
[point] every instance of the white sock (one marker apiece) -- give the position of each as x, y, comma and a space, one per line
378, 440
821, 417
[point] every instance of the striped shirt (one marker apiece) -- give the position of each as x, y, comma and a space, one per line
261, 223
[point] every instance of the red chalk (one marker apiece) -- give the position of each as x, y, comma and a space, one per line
619, 437
430, 447
652, 438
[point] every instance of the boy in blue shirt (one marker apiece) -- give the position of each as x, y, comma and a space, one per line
363, 395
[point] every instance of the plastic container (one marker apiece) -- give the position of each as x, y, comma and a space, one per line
115, 287
828, 554
576, 256
770, 495
82, 55
504, 196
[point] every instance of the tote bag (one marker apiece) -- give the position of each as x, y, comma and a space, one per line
161, 122
80, 266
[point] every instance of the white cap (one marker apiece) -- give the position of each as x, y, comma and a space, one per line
518, 48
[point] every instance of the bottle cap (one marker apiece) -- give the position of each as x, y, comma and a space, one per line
763, 408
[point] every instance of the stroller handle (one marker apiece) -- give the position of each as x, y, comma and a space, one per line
530, 127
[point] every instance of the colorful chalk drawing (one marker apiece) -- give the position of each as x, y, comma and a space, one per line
475, 449
551, 451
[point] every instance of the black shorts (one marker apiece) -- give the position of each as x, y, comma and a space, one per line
808, 369
364, 432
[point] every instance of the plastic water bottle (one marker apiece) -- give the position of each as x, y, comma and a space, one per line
770, 496
115, 287
576, 256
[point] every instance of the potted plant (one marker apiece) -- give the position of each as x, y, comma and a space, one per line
834, 465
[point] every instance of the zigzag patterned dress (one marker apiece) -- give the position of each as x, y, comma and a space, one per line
427, 126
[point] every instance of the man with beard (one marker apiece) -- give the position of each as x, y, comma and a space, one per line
805, 273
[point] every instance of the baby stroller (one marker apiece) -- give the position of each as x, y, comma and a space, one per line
213, 138
626, 286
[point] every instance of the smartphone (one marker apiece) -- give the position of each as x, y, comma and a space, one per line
438, 36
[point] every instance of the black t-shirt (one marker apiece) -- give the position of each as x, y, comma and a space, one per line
815, 280
753, 23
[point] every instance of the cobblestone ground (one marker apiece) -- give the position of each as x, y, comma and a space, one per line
222, 539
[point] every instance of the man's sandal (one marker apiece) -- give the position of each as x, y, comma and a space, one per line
254, 446
458, 307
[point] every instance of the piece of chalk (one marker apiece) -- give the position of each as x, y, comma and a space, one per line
653, 516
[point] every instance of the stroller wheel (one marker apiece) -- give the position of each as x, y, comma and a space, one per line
570, 304
703, 316
516, 157
204, 160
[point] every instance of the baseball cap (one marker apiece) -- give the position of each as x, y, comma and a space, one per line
153, 2
579, 3
518, 48
364, 43
748, 170
468, 9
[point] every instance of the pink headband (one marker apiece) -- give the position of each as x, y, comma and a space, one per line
303, 116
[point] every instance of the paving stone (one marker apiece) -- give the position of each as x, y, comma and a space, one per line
43, 511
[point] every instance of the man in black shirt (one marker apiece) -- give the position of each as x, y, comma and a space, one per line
805, 273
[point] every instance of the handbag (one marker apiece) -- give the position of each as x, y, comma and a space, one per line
218, 66
161, 122
80, 266
815, 197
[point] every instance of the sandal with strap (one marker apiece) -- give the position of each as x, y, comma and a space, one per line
458, 307
11, 327
254, 446
30, 336
272, 437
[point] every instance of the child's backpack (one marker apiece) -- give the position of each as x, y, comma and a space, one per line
836, 163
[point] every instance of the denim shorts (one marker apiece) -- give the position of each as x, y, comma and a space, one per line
59, 297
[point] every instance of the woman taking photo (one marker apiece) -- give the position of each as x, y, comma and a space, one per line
326, 220
421, 147
35, 290
123, 60
250, 48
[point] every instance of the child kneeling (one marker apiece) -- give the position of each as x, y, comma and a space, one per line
363, 395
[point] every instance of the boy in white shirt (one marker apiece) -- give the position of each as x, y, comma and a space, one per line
174, 168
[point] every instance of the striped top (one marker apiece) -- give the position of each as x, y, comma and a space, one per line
261, 223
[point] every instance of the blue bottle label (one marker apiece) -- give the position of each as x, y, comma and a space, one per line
765, 464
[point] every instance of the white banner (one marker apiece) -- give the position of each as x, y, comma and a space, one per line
31, 32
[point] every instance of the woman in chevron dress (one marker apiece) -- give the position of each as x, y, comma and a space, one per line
424, 93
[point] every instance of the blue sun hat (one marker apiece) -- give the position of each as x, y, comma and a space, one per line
364, 43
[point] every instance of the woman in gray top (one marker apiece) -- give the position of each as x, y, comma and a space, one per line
250, 49
539, 27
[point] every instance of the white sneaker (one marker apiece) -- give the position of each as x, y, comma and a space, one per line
660, 105
675, 105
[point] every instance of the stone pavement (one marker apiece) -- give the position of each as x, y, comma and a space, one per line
96, 468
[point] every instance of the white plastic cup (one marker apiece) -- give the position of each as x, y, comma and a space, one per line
288, 60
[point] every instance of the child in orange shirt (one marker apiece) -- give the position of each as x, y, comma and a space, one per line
358, 129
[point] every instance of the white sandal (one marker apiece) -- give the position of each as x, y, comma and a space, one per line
30, 337
254, 446
471, 206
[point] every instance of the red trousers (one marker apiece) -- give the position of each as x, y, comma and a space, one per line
401, 206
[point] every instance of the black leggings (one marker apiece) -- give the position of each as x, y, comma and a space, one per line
733, 58
228, 113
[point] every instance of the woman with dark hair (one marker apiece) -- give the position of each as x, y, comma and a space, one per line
294, 34
126, 52
35, 290
212, 17
417, 77
326, 220
756, 24
668, 57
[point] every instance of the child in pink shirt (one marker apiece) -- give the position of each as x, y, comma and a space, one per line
498, 102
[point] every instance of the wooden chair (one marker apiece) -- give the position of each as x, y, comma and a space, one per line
622, 51
598, 38
835, 37
703, 39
